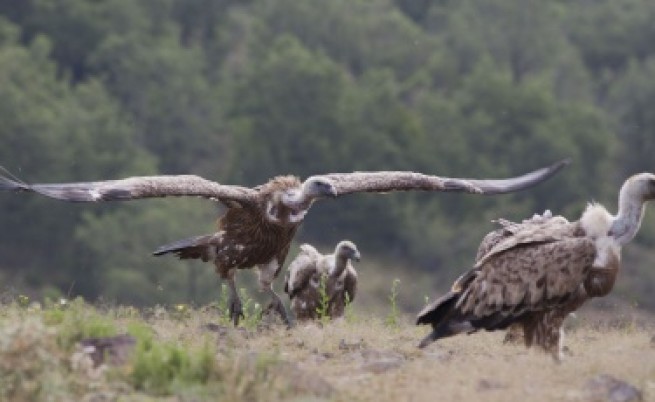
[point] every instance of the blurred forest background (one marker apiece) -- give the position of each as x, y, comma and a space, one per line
241, 90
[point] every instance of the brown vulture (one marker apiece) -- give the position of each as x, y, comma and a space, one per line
260, 222
312, 273
531, 275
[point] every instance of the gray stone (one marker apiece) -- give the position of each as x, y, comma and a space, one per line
605, 388
489, 385
115, 350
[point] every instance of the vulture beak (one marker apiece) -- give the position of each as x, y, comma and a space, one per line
651, 187
357, 257
319, 187
327, 189
332, 192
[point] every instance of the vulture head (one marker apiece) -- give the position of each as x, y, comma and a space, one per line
318, 187
635, 192
315, 187
640, 186
347, 249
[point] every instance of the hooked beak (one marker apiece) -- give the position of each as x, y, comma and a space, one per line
651, 195
357, 257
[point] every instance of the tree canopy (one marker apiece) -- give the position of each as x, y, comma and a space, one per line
239, 91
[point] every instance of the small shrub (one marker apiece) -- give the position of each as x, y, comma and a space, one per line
323, 308
252, 311
31, 367
349, 312
181, 312
23, 301
162, 368
223, 304
393, 317
78, 321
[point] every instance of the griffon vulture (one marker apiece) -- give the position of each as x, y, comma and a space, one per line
311, 273
260, 222
535, 273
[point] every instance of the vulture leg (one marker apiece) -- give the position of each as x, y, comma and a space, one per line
544, 329
267, 273
276, 305
234, 301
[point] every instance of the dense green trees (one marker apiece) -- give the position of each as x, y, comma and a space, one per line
239, 91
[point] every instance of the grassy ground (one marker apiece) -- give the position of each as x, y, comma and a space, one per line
177, 357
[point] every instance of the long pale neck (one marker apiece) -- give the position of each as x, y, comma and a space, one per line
340, 263
628, 219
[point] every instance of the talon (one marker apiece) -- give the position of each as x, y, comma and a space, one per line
277, 306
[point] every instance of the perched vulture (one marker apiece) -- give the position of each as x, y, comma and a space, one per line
312, 273
260, 222
533, 274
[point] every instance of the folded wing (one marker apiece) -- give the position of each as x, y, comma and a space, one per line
301, 270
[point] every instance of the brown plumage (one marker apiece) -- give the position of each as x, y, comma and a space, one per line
311, 270
535, 273
257, 229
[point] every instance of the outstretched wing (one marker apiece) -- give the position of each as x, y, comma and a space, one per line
381, 182
133, 188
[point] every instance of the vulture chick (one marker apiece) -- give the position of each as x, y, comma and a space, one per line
312, 273
260, 222
535, 273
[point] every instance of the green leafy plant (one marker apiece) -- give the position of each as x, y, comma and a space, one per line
252, 311
161, 368
77, 321
322, 310
181, 312
349, 313
393, 317
23, 301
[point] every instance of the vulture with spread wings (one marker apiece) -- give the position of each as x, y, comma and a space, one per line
531, 275
260, 222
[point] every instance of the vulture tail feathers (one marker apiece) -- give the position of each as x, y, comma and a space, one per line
198, 247
437, 311
446, 329
445, 319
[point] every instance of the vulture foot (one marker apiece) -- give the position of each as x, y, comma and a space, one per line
236, 310
276, 305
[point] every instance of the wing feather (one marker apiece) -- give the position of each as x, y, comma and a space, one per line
553, 229
387, 181
530, 278
301, 270
134, 188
